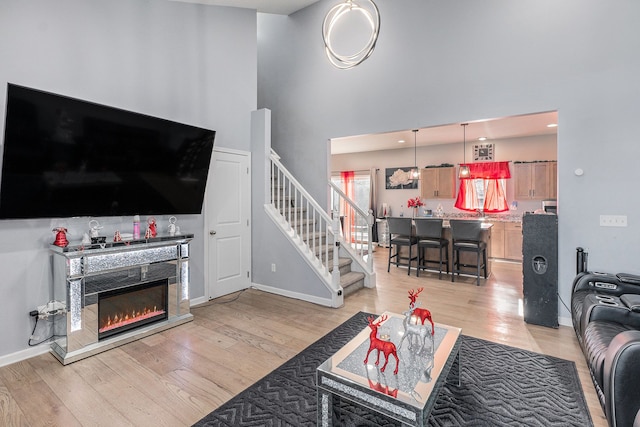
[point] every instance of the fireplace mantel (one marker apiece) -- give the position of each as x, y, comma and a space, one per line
82, 272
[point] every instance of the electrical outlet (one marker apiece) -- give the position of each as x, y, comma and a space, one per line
273, 268
613, 220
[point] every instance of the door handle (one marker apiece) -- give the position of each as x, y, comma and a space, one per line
212, 232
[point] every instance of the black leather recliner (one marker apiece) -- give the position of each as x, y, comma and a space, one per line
606, 318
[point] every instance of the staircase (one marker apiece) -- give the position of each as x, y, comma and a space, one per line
350, 281
317, 236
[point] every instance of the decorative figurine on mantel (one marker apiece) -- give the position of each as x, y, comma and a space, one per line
386, 347
117, 237
94, 232
173, 229
151, 229
61, 237
421, 314
94, 229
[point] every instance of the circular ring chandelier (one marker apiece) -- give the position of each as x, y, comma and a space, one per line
333, 16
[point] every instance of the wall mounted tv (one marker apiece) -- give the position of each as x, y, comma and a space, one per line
63, 157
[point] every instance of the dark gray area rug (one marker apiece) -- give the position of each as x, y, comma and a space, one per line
500, 386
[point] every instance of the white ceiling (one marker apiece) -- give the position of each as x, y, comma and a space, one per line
494, 129
280, 7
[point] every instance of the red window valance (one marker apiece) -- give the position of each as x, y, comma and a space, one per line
488, 170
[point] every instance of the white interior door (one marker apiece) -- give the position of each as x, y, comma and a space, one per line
228, 214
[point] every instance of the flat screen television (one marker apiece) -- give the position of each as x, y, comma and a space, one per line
64, 157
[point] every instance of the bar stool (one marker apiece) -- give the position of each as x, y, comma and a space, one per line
400, 234
429, 235
466, 236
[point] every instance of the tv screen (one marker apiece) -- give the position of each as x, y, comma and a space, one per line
63, 157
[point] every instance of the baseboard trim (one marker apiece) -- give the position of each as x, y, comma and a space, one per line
21, 355
565, 321
296, 295
198, 301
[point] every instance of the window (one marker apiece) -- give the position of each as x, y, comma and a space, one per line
356, 186
485, 188
361, 184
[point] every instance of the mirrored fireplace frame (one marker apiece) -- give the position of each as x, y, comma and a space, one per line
81, 273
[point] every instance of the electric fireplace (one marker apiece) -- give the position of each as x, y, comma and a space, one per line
118, 292
124, 309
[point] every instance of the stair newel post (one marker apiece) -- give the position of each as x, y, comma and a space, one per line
274, 188
335, 274
370, 221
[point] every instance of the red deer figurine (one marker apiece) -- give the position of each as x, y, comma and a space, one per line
386, 347
421, 313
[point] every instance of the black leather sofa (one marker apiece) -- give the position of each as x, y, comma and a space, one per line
606, 318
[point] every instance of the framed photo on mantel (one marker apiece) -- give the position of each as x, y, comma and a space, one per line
400, 178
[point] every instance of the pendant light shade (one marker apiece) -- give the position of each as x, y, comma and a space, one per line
464, 168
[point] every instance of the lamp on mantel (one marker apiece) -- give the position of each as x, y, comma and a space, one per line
415, 172
464, 169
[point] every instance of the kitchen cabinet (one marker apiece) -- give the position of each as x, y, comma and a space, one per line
535, 180
506, 240
497, 240
513, 240
438, 183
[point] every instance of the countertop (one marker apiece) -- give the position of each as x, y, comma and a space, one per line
489, 218
508, 217
485, 224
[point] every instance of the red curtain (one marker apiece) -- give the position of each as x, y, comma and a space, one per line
495, 199
348, 215
467, 197
488, 170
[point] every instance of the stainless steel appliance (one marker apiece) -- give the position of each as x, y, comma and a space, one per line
550, 206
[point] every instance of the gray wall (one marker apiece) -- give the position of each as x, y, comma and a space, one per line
440, 62
189, 63
270, 246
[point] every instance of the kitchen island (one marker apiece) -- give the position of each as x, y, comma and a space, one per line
503, 235
465, 257
468, 258
506, 234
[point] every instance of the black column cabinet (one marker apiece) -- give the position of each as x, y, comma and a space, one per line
540, 269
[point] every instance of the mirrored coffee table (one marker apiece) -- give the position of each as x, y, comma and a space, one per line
407, 397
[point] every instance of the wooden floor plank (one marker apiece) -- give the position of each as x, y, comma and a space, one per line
74, 392
135, 408
162, 390
10, 412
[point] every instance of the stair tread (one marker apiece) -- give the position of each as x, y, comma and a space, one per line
350, 278
341, 263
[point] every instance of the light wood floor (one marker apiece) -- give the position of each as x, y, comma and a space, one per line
176, 377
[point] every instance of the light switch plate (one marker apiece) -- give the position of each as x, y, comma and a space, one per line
613, 220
